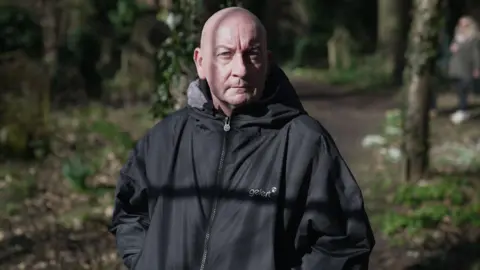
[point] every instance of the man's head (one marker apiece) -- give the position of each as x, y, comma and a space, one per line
467, 25
233, 57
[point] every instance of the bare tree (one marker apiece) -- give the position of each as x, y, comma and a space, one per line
421, 55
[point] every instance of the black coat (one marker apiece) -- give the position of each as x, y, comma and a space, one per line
263, 189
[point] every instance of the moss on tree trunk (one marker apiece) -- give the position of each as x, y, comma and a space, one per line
420, 58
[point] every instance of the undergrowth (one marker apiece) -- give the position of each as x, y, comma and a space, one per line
98, 142
429, 208
366, 73
429, 205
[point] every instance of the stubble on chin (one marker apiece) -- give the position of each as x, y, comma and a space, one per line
249, 97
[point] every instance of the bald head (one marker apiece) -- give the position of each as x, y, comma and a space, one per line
222, 16
233, 57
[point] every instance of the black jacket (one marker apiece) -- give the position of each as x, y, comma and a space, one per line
264, 189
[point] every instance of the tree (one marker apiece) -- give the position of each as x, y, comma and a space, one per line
49, 23
174, 65
392, 25
421, 53
25, 81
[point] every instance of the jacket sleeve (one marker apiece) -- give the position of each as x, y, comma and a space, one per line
130, 219
335, 225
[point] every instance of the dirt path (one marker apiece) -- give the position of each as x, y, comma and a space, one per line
347, 116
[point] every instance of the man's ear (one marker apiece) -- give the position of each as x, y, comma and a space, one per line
198, 59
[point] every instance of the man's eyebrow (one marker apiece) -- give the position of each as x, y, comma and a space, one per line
255, 46
222, 47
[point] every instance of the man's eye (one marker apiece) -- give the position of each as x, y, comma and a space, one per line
254, 55
224, 54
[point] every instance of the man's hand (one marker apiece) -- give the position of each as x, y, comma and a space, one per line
476, 73
454, 48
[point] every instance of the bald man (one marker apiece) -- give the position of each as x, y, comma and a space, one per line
242, 177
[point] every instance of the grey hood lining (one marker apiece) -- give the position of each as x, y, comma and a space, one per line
195, 97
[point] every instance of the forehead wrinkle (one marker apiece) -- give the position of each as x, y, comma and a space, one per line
229, 34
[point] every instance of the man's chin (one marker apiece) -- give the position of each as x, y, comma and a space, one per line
240, 99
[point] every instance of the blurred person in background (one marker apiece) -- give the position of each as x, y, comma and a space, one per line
464, 65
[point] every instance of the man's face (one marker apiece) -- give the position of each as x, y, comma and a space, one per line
234, 61
463, 23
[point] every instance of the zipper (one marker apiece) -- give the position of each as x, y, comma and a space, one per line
226, 128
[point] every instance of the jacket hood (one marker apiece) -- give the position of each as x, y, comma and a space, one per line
278, 105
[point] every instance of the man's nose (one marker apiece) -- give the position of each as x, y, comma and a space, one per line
239, 68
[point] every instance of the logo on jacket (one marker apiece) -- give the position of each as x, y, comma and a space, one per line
262, 193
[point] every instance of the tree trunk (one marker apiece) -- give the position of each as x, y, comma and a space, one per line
421, 57
391, 36
48, 22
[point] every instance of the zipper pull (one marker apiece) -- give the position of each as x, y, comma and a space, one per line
226, 124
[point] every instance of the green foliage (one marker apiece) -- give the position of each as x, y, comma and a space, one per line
77, 170
393, 120
123, 17
420, 209
25, 187
15, 188
174, 57
366, 74
87, 162
427, 206
415, 195
113, 133
386, 145
18, 142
